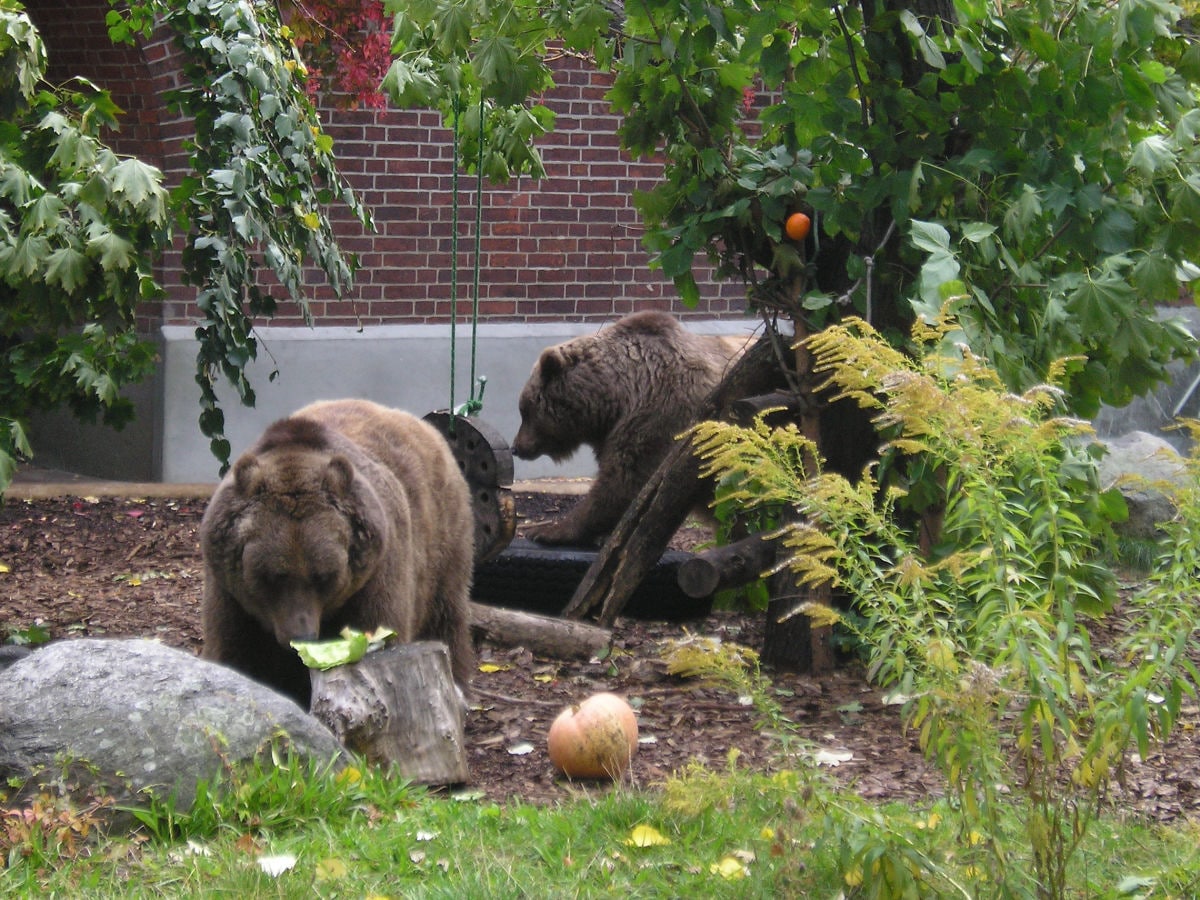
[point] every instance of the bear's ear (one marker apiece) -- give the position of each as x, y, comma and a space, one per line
555, 361
245, 474
338, 476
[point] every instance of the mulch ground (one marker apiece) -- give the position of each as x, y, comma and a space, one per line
121, 567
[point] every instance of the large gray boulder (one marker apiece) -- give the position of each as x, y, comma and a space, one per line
141, 716
1144, 468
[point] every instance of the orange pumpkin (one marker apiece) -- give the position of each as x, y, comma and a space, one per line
595, 738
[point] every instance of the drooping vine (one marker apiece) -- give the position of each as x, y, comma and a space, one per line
263, 174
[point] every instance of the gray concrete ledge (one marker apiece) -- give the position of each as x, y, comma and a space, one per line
406, 366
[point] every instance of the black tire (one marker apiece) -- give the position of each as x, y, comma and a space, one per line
540, 579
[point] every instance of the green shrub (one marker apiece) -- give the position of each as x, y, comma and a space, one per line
969, 554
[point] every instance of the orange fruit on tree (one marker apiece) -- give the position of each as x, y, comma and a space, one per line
797, 226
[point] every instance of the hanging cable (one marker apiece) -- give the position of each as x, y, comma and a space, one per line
474, 403
477, 402
453, 258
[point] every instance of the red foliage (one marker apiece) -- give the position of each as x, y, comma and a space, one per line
346, 45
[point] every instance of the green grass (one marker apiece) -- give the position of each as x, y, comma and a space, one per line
787, 835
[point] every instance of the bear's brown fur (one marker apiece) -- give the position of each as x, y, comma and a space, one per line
627, 391
345, 513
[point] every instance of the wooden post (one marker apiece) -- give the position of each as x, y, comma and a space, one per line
400, 706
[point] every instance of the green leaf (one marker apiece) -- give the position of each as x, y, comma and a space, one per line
676, 260
1098, 304
495, 59
1152, 154
407, 84
45, 214
349, 648
141, 185
115, 252
1115, 232
930, 51
67, 267
929, 236
975, 232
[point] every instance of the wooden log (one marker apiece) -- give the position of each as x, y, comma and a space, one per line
727, 567
658, 510
543, 635
399, 706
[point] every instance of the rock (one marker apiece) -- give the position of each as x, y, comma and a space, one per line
1160, 408
142, 717
10, 653
1143, 467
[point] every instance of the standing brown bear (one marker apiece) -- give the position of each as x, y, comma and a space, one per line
345, 513
627, 391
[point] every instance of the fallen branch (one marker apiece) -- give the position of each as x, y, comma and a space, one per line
543, 635
726, 567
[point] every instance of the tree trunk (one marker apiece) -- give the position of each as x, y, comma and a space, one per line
639, 539
790, 641
398, 706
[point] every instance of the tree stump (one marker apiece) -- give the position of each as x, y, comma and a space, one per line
399, 706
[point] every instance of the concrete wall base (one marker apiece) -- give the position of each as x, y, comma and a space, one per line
407, 366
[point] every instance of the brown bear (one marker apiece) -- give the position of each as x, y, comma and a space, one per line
345, 513
627, 391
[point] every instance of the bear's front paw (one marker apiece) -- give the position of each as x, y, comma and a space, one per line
553, 533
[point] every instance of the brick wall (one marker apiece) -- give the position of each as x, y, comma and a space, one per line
566, 247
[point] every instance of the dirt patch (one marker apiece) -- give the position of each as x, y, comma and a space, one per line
121, 567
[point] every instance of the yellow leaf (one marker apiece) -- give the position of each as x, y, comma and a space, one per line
940, 655
4, 568
331, 870
645, 836
544, 679
135, 581
311, 221
349, 775
492, 667
729, 867
854, 877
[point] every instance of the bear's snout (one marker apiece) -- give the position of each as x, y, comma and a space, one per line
301, 624
524, 446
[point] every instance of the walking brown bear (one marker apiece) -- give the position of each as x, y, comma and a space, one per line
627, 391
